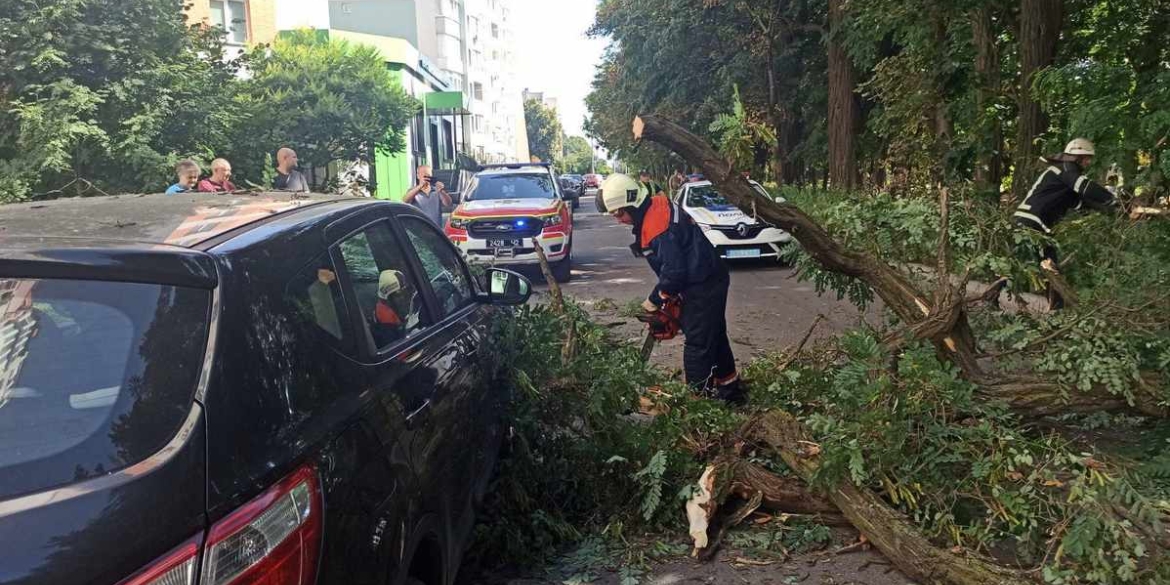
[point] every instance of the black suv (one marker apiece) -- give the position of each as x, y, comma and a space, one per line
222, 389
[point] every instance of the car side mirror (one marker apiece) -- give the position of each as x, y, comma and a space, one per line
505, 287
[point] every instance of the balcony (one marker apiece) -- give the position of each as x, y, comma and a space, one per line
449, 26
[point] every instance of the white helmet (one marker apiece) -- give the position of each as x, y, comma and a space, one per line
1080, 147
620, 191
389, 283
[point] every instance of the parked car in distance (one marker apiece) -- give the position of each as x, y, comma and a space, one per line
506, 208
285, 389
572, 188
735, 234
591, 183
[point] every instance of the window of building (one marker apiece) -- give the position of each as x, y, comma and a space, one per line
477, 90
495, 31
232, 17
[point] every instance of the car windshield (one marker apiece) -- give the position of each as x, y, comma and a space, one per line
511, 186
94, 376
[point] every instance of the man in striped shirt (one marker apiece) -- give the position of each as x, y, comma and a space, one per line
1061, 188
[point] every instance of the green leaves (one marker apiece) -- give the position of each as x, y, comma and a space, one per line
650, 477
545, 135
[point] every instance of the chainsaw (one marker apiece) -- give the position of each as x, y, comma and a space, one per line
663, 324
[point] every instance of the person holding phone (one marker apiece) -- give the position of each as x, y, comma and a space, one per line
430, 199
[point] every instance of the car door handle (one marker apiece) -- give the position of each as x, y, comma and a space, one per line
426, 404
412, 357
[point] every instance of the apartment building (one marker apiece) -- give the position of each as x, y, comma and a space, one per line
497, 110
245, 21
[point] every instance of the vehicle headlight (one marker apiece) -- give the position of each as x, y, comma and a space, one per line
551, 220
458, 223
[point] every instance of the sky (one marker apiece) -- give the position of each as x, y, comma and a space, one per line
554, 55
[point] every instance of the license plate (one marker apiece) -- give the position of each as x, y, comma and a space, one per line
749, 253
503, 243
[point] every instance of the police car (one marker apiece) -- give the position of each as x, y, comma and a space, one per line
735, 234
507, 207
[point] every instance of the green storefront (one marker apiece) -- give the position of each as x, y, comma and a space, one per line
436, 135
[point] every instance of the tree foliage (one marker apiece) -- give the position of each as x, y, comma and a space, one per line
578, 157
330, 100
939, 84
545, 135
105, 96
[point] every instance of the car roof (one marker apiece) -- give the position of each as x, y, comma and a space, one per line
185, 220
513, 171
706, 183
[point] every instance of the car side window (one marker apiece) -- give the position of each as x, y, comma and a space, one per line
316, 299
383, 285
444, 268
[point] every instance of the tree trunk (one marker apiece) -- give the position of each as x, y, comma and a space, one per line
843, 112
886, 528
943, 126
1040, 22
988, 171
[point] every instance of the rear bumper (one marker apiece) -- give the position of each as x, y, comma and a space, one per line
556, 247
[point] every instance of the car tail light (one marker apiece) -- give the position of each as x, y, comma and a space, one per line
177, 567
272, 540
275, 539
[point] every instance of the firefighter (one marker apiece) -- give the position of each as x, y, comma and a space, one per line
690, 273
1062, 187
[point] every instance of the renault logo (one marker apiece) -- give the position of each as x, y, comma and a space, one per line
504, 227
742, 230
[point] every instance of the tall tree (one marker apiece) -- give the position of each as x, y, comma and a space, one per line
988, 167
545, 134
329, 99
1040, 22
843, 108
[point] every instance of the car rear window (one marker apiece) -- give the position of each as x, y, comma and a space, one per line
511, 186
94, 376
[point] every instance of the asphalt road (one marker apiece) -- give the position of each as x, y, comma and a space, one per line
768, 308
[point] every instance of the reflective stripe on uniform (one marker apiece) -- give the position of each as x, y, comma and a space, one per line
1025, 206
1033, 219
1081, 184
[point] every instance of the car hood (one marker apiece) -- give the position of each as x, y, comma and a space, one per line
720, 215
507, 207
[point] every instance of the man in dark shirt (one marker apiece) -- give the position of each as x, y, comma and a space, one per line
288, 178
1061, 188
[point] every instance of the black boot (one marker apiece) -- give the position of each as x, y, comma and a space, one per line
733, 393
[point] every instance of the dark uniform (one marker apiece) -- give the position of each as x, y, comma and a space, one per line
688, 266
1061, 188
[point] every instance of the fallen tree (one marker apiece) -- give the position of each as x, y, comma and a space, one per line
940, 317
